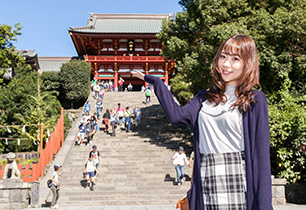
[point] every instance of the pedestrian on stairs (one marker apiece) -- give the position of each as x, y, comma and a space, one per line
127, 123
113, 122
87, 107
93, 84
90, 170
99, 107
55, 186
106, 118
95, 155
178, 161
97, 90
111, 85
130, 87
89, 131
81, 133
148, 95
86, 117
120, 113
94, 121
120, 82
137, 114
101, 94
231, 131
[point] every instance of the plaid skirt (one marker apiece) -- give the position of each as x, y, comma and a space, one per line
224, 181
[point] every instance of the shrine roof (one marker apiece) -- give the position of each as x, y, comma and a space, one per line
52, 63
123, 23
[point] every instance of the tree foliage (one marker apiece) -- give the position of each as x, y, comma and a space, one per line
75, 80
287, 131
21, 104
278, 28
23, 99
9, 57
51, 82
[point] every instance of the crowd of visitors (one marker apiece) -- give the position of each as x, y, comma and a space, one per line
121, 116
104, 85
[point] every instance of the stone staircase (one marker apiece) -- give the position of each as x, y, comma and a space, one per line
136, 166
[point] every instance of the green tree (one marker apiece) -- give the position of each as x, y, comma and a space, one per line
51, 82
278, 28
9, 57
21, 104
287, 131
75, 80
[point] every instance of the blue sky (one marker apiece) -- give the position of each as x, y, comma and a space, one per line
45, 23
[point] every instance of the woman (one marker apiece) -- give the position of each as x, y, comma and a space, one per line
113, 122
106, 118
120, 113
231, 131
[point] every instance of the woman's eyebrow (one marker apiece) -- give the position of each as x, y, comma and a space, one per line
229, 54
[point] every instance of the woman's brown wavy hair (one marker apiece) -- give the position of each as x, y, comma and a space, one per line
243, 46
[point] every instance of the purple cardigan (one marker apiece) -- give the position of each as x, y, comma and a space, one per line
256, 141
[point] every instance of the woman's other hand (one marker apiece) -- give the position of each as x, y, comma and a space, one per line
138, 74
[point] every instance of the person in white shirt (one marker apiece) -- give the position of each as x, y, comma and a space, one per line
86, 117
55, 186
97, 90
178, 160
89, 170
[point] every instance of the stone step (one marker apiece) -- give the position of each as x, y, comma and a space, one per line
123, 171
92, 196
102, 191
126, 176
136, 201
121, 152
117, 183
126, 188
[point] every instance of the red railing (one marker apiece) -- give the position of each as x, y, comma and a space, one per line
92, 58
32, 172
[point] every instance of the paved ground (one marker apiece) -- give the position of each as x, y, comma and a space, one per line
284, 207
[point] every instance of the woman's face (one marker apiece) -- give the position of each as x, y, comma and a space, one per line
231, 67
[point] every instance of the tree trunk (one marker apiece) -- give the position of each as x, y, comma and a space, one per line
71, 104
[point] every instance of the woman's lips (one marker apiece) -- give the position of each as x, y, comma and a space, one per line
226, 72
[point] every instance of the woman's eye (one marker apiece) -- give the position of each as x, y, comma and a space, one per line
222, 56
236, 59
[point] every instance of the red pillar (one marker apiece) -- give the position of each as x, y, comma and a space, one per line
146, 84
96, 71
96, 75
116, 80
167, 78
147, 72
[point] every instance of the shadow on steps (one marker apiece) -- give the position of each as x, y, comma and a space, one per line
155, 126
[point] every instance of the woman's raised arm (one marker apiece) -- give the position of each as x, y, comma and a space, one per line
177, 115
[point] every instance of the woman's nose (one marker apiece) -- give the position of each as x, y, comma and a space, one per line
227, 63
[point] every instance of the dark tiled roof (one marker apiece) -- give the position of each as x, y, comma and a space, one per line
52, 63
123, 23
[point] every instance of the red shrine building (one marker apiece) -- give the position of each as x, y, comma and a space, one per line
116, 44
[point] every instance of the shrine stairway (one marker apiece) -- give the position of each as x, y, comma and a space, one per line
136, 166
